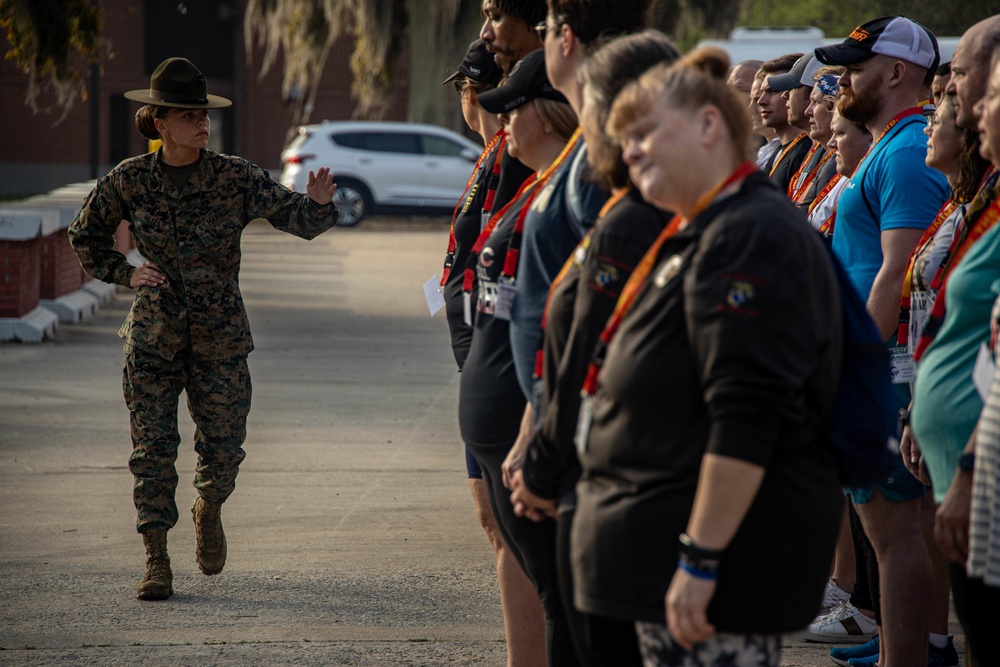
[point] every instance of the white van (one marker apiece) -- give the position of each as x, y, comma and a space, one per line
765, 43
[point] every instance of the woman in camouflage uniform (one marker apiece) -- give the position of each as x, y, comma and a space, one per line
188, 330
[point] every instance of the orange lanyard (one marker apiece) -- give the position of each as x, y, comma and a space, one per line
499, 138
826, 189
616, 197
903, 331
641, 273
784, 152
799, 195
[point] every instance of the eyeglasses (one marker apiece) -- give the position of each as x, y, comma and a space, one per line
542, 28
459, 85
932, 124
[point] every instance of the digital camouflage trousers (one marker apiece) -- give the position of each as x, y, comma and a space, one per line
218, 396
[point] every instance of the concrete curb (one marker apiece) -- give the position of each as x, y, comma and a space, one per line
74, 307
34, 327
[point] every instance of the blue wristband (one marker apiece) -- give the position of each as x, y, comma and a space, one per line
696, 573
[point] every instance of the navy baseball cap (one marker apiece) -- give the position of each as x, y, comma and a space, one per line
893, 36
478, 65
527, 81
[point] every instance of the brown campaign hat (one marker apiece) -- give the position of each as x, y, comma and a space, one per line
178, 83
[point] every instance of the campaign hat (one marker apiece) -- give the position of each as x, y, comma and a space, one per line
178, 83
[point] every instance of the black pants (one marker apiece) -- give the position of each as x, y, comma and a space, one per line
534, 546
866, 592
975, 604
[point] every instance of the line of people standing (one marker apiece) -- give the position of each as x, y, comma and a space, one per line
655, 343
911, 215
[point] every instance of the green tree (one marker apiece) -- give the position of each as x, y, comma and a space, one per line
47, 39
837, 18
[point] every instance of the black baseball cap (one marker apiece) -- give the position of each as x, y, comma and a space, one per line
527, 81
893, 36
478, 65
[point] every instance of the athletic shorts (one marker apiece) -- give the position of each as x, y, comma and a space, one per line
897, 485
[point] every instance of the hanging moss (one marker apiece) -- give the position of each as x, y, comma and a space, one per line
49, 39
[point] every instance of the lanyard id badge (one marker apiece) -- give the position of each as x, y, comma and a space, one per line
506, 292
583, 422
903, 368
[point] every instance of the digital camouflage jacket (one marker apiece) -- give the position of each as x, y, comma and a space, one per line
193, 236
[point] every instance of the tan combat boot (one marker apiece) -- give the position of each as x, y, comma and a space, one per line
158, 584
211, 549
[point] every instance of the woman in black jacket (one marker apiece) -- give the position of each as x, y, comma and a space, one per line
707, 481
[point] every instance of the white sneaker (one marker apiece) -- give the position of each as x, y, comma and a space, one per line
845, 624
833, 595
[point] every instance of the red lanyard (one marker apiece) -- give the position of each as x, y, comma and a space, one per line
915, 111
784, 152
618, 195
645, 267
972, 228
514, 246
529, 188
498, 142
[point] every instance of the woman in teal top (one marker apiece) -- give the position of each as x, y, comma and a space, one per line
946, 404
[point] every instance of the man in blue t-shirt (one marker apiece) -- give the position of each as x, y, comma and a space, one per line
891, 199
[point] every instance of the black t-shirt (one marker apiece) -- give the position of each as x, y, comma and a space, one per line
789, 164
468, 224
490, 400
579, 308
732, 347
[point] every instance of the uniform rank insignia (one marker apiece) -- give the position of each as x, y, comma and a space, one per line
606, 275
740, 294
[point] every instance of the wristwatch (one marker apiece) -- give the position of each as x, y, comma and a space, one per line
966, 462
904, 417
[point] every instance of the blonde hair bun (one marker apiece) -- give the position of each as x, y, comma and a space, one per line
711, 60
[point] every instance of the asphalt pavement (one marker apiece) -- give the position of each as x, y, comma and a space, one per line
352, 537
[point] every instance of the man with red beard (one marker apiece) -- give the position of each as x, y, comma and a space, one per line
891, 198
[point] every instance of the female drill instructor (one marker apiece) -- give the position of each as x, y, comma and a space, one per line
188, 330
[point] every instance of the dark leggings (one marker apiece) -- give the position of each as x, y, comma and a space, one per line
973, 599
865, 594
534, 546
577, 622
612, 642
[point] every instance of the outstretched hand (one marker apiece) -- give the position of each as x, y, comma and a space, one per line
321, 187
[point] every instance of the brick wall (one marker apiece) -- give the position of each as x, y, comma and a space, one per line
20, 273
261, 120
60, 271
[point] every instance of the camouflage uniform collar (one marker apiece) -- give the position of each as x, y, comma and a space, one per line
204, 179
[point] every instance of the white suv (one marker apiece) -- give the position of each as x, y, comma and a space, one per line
378, 164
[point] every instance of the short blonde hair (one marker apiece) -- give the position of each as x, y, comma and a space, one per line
557, 115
